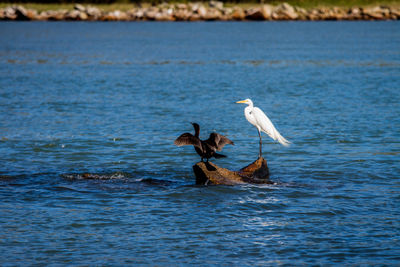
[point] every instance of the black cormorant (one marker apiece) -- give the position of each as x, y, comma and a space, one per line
205, 148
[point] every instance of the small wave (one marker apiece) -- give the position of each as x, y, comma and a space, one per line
118, 176
63, 188
152, 181
6, 177
95, 176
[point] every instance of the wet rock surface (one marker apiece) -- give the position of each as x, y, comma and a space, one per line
208, 173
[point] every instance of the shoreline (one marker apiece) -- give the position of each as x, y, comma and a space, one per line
213, 11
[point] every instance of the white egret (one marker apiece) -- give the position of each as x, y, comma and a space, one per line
263, 124
205, 148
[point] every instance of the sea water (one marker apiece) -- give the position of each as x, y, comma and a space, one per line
109, 99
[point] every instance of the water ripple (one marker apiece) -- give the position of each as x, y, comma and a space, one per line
89, 174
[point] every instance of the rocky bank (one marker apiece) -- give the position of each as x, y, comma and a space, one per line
212, 11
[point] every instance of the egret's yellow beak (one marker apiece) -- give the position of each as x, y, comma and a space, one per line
241, 102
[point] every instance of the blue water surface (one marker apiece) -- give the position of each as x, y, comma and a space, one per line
110, 98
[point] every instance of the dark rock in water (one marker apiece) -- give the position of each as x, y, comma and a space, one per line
255, 173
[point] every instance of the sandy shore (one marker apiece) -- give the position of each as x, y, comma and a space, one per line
213, 11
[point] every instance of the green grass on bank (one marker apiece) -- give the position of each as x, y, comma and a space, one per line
307, 4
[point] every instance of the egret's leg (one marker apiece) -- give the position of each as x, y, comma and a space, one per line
259, 134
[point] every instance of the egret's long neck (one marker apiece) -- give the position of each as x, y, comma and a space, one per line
250, 106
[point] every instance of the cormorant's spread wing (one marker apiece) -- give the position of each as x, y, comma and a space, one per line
187, 139
219, 140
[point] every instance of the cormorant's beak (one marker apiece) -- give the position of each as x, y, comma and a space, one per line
241, 102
